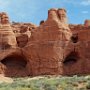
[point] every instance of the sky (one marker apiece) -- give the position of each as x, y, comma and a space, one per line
36, 10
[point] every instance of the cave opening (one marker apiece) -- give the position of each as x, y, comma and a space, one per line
74, 38
71, 58
15, 65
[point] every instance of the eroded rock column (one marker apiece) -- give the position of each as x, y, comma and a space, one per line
7, 37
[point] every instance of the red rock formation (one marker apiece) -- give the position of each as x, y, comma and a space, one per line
22, 40
87, 23
4, 18
47, 43
7, 37
22, 32
13, 63
54, 47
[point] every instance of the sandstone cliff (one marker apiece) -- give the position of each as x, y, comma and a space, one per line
47, 44
54, 47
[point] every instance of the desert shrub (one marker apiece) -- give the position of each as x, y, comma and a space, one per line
22, 88
87, 78
50, 87
48, 83
88, 85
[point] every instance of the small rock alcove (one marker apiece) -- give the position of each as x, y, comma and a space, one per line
74, 38
71, 58
15, 65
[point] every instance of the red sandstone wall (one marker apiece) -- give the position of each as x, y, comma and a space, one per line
54, 47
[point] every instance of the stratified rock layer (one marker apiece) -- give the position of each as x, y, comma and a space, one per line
7, 36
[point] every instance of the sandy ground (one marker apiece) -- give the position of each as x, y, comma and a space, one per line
4, 79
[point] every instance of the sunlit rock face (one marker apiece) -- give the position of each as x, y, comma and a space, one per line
48, 43
4, 18
7, 36
52, 48
13, 37
58, 48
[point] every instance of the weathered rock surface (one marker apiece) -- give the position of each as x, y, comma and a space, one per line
87, 23
54, 47
47, 44
4, 18
22, 32
12, 60
7, 36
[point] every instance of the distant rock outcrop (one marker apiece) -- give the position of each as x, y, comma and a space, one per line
87, 23
4, 18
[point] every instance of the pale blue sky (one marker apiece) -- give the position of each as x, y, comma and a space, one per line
36, 10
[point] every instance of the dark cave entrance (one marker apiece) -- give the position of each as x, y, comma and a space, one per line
15, 65
71, 58
74, 38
